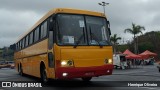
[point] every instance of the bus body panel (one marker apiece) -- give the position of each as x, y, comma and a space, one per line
89, 61
31, 57
79, 72
85, 57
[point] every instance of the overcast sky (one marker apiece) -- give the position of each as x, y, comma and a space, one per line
17, 16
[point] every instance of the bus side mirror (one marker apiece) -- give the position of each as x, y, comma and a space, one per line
108, 24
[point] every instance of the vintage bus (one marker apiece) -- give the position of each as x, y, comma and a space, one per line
66, 44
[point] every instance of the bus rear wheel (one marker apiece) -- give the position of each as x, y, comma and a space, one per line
86, 78
44, 75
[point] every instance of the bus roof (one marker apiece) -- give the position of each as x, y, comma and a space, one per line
62, 10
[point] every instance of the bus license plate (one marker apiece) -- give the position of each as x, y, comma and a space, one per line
89, 73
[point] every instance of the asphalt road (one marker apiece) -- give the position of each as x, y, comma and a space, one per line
118, 81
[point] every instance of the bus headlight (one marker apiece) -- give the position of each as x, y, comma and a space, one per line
65, 63
108, 61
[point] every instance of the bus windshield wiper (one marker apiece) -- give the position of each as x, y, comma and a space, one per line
79, 39
94, 36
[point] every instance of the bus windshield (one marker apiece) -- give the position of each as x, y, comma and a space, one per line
82, 30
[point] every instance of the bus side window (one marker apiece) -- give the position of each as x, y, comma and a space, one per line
20, 44
17, 47
43, 29
36, 34
26, 44
31, 38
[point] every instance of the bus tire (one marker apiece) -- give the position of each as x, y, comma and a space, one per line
20, 70
44, 78
159, 69
86, 79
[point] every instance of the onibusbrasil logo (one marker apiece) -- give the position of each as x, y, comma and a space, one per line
20, 84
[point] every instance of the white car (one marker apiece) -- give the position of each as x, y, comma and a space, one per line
119, 61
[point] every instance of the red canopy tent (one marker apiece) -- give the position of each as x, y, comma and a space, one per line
127, 52
131, 55
147, 54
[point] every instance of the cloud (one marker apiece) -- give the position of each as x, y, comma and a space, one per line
19, 15
14, 24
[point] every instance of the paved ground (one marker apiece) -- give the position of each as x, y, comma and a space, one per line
118, 81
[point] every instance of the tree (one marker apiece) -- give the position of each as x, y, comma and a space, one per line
114, 40
146, 46
136, 29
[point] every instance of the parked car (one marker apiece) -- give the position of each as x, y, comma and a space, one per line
7, 64
119, 61
11, 64
4, 66
2, 62
149, 61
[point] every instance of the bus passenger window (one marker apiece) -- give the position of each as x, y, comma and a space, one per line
23, 42
44, 30
26, 41
36, 34
16, 46
20, 45
31, 38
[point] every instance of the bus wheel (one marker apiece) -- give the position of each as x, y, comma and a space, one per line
44, 75
20, 71
86, 78
159, 69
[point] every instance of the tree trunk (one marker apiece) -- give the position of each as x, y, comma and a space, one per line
114, 50
135, 48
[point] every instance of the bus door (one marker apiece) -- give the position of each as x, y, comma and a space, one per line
51, 54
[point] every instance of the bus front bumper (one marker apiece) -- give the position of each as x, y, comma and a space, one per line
78, 72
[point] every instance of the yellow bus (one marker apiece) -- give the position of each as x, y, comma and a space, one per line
66, 44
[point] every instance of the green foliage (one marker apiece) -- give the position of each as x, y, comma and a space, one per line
145, 46
122, 48
136, 29
114, 40
7, 54
1, 50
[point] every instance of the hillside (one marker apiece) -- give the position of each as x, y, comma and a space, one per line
148, 41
